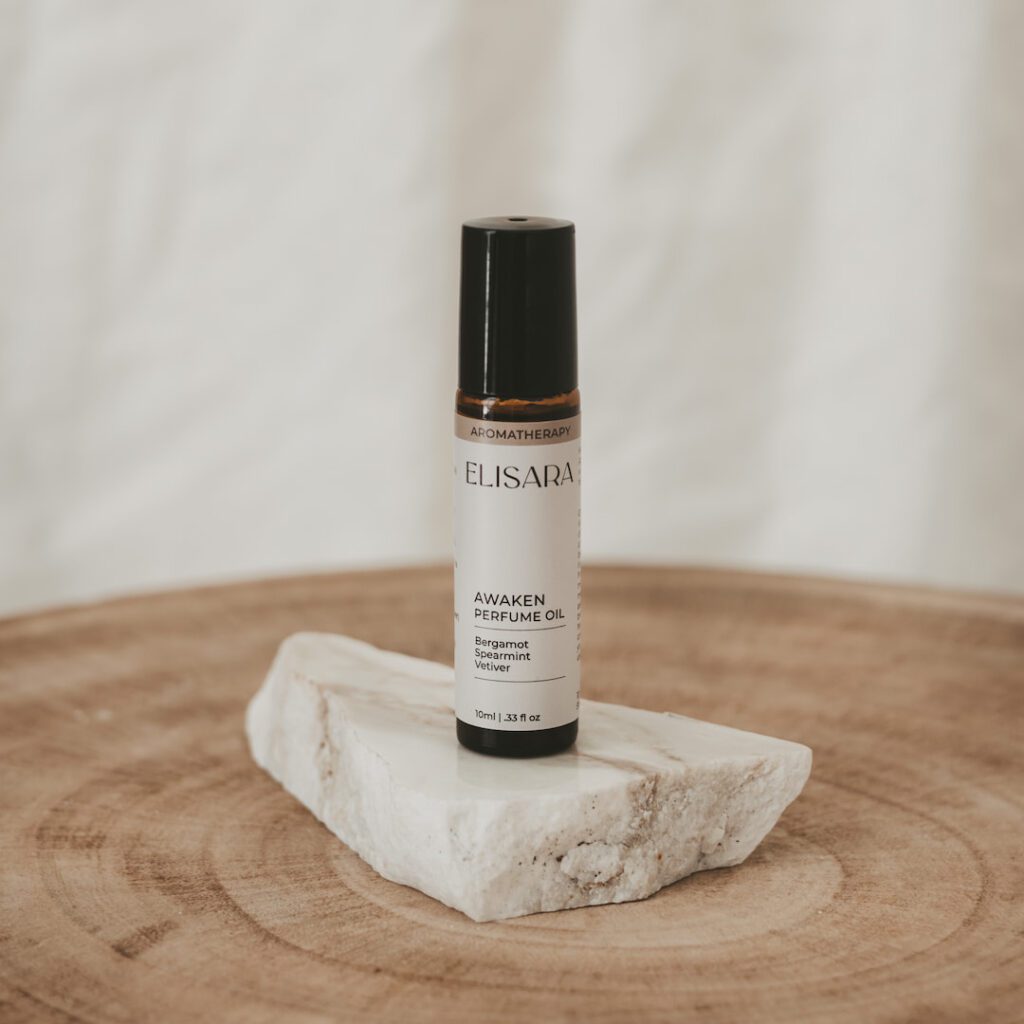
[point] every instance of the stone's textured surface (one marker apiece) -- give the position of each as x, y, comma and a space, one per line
365, 739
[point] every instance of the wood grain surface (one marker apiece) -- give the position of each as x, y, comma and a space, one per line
150, 872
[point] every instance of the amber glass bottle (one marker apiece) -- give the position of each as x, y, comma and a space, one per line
517, 486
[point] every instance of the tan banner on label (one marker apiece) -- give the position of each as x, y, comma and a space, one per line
540, 432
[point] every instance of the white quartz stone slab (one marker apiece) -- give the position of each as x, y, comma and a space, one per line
366, 740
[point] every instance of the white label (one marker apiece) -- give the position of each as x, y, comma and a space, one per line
517, 573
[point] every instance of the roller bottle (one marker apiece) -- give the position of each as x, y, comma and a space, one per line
517, 489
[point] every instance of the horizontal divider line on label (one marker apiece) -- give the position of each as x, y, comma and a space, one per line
520, 629
495, 679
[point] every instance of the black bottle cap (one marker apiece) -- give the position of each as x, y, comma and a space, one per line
517, 309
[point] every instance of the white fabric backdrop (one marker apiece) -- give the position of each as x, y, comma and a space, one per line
228, 275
